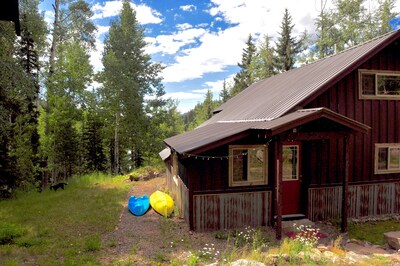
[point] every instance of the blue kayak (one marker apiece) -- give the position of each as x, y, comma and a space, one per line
138, 206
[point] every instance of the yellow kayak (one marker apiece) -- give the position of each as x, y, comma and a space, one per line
162, 203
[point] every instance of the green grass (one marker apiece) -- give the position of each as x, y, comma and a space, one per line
373, 231
62, 227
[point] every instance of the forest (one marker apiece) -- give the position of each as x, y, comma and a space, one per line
54, 125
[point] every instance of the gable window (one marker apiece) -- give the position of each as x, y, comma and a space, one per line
376, 84
248, 165
387, 158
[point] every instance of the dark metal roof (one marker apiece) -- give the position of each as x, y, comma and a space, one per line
279, 94
269, 104
216, 132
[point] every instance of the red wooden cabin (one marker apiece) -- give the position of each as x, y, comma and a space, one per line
322, 141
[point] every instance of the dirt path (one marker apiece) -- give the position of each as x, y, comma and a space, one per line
152, 239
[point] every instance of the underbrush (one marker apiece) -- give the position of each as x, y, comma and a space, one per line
62, 226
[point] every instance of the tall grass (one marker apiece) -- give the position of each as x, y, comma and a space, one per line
56, 227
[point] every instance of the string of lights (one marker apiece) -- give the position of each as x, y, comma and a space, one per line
205, 157
224, 157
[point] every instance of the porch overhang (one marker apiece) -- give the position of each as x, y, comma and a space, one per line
217, 134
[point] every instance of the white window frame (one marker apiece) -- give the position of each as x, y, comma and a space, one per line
264, 180
388, 146
377, 73
285, 178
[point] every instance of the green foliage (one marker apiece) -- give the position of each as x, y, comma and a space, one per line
93, 243
18, 93
243, 78
60, 226
127, 77
224, 95
287, 47
262, 64
201, 112
372, 231
9, 232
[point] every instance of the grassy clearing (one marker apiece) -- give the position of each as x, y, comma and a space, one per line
373, 231
65, 226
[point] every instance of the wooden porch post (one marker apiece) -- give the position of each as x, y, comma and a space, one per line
278, 178
345, 190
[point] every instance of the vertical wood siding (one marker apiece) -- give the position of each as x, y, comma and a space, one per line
381, 115
364, 200
180, 194
235, 210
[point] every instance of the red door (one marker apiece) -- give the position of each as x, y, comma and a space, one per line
291, 178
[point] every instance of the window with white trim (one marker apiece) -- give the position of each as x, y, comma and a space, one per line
290, 162
248, 165
387, 158
379, 84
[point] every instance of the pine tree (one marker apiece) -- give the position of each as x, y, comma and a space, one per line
287, 47
127, 77
350, 19
18, 96
242, 80
69, 73
262, 64
385, 14
327, 33
224, 93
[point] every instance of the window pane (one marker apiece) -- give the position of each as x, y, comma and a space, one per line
368, 84
239, 164
394, 158
290, 162
256, 164
388, 85
382, 158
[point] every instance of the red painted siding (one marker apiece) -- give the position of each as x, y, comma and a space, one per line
383, 116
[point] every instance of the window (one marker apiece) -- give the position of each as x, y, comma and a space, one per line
290, 162
379, 84
248, 165
387, 158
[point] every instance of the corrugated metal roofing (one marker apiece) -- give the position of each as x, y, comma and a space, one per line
165, 153
264, 104
279, 94
212, 133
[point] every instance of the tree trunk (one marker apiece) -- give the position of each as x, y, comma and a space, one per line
56, 7
116, 143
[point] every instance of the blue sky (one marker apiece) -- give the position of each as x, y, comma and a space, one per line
200, 42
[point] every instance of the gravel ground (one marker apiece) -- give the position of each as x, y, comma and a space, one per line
151, 238
154, 240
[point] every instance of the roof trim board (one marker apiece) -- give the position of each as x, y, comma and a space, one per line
217, 134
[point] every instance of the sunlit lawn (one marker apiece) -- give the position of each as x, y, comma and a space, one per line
62, 227
373, 231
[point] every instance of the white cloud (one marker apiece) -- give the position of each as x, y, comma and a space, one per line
144, 13
215, 53
49, 16
183, 26
171, 44
184, 95
188, 8
96, 55
218, 50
